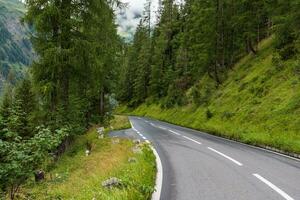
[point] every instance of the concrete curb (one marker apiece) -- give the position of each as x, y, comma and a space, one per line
159, 176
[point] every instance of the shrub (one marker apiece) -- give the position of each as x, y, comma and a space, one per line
209, 114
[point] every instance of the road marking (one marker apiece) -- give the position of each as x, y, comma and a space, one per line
274, 187
147, 141
225, 156
159, 176
146, 121
174, 132
144, 137
162, 128
191, 140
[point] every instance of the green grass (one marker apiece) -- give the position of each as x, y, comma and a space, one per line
120, 122
258, 104
76, 176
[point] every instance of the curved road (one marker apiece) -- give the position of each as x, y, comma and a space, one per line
199, 166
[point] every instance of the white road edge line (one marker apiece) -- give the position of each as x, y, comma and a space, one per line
192, 140
244, 144
225, 156
159, 176
274, 187
174, 132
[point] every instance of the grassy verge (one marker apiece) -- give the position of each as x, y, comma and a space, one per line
77, 176
258, 104
120, 122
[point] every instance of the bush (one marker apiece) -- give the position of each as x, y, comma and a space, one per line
20, 158
209, 114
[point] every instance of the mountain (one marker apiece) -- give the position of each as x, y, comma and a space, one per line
16, 52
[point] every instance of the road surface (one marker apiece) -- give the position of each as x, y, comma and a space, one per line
199, 166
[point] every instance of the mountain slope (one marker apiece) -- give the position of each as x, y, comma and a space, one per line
16, 50
259, 103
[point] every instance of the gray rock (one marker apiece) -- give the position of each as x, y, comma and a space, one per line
115, 140
112, 183
137, 150
137, 141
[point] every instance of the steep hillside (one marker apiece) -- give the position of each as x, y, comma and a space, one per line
259, 103
15, 47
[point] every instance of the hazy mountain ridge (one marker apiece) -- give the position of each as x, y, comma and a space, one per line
16, 51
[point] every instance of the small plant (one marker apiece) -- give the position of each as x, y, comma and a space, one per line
227, 115
209, 114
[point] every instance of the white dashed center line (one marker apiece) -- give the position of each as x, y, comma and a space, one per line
191, 140
225, 156
174, 132
274, 187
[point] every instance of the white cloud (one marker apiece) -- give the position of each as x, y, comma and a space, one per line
128, 18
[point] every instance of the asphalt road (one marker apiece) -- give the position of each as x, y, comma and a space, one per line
199, 166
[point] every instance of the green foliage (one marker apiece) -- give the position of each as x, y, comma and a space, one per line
190, 41
287, 28
258, 104
71, 84
78, 176
19, 158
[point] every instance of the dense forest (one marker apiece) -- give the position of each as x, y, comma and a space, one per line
83, 66
67, 88
200, 38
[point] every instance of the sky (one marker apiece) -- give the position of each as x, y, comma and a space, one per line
128, 18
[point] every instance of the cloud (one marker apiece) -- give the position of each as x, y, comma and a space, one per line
128, 18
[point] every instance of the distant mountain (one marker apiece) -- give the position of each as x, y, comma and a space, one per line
16, 52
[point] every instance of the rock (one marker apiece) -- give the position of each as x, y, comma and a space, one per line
112, 183
132, 160
100, 136
39, 175
115, 140
137, 150
137, 141
100, 130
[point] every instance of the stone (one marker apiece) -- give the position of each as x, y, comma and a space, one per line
39, 175
137, 141
112, 183
137, 150
115, 140
100, 136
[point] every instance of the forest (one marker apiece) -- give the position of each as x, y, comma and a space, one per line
66, 89
84, 68
199, 38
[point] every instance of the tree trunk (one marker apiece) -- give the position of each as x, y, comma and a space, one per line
102, 111
251, 47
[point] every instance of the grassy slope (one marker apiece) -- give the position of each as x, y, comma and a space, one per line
76, 176
259, 104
